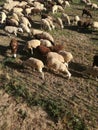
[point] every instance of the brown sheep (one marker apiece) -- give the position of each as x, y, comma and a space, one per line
87, 12
14, 47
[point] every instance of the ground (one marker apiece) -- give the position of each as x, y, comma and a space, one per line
56, 103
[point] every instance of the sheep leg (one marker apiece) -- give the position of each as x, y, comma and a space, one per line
68, 74
32, 51
42, 74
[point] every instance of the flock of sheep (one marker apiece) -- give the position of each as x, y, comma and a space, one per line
16, 16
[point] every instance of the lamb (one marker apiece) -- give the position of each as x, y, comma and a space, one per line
58, 66
35, 64
45, 42
87, 12
3, 17
67, 56
31, 45
13, 30
14, 47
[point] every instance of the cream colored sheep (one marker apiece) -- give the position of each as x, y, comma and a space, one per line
66, 55
76, 19
32, 44
13, 30
65, 18
15, 16
60, 22
66, 4
3, 17
94, 6
45, 24
25, 21
45, 42
25, 28
15, 21
50, 22
57, 65
55, 8
36, 31
35, 64
95, 25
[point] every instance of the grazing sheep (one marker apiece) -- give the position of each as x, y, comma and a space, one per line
25, 21
45, 35
76, 19
31, 45
55, 55
3, 17
65, 18
86, 12
15, 16
25, 28
60, 22
55, 8
84, 24
50, 22
66, 3
95, 61
58, 66
35, 64
67, 56
14, 47
13, 30
36, 31
45, 42
94, 6
45, 24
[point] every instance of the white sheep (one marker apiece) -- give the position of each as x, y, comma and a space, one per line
95, 25
35, 64
25, 28
76, 19
60, 22
25, 21
36, 31
15, 21
3, 17
13, 30
58, 66
65, 18
48, 36
17, 10
55, 8
45, 42
32, 44
15, 16
94, 6
57, 56
50, 22
45, 24
28, 10
66, 4
67, 56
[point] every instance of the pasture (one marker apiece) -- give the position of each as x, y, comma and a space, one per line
29, 103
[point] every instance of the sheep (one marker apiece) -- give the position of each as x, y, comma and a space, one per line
94, 6
65, 18
95, 61
60, 22
17, 10
25, 21
25, 28
12, 29
11, 22
31, 45
57, 48
58, 66
84, 24
15, 16
87, 12
50, 22
14, 47
66, 55
76, 19
55, 8
66, 3
45, 42
45, 35
28, 10
45, 24
57, 56
35, 64
36, 31
3, 17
